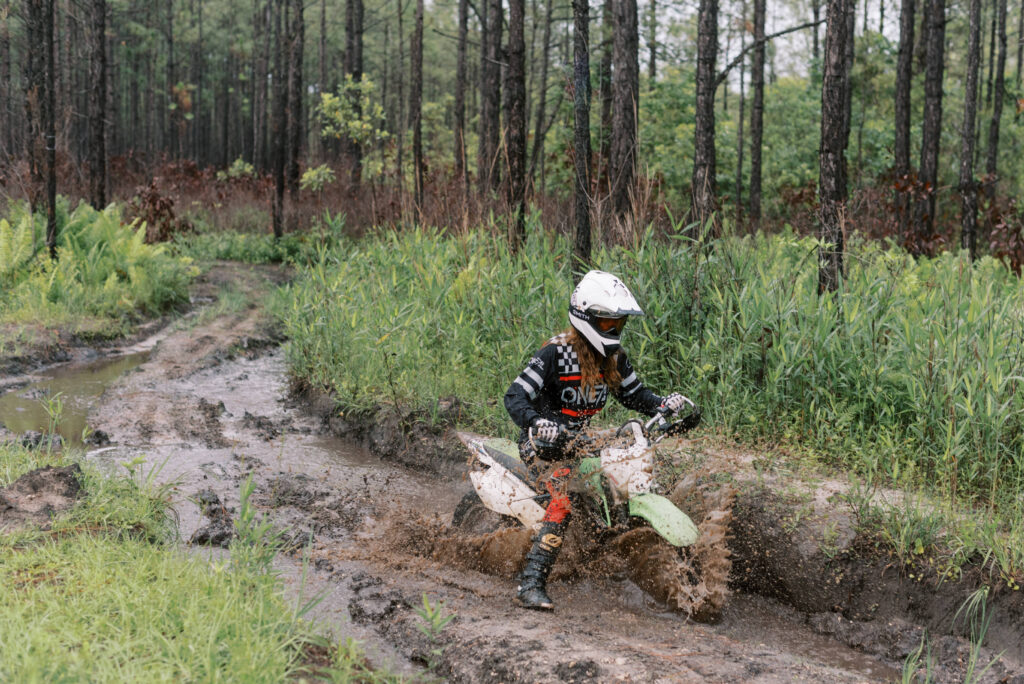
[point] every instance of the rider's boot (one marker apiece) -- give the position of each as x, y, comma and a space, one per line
533, 581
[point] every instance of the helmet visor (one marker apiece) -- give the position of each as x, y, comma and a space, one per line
609, 325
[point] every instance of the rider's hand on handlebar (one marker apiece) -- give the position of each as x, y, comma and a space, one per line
545, 430
673, 402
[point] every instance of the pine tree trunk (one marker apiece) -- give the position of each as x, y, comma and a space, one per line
835, 133
400, 73
1020, 42
815, 49
652, 44
354, 68
294, 116
34, 83
171, 135
924, 219
992, 160
625, 97
98, 106
279, 125
515, 121
539, 129
460, 97
757, 111
703, 189
488, 170
901, 146
604, 94
50, 125
581, 130
968, 192
739, 132
991, 54
416, 103
6, 86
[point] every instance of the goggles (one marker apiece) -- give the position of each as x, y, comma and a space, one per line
607, 325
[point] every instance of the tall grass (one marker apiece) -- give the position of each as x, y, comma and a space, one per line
910, 372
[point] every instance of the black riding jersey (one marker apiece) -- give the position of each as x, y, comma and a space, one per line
549, 387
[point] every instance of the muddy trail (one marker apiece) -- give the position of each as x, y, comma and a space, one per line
207, 400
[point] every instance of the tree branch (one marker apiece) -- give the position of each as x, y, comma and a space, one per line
739, 58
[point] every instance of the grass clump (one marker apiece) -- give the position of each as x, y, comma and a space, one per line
105, 277
102, 596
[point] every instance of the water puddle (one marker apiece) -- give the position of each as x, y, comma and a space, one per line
63, 395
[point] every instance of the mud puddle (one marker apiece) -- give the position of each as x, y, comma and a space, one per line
63, 395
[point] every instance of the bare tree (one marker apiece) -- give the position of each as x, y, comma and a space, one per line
515, 120
98, 105
540, 128
703, 189
260, 70
835, 133
581, 129
625, 97
739, 130
932, 126
296, 89
968, 191
6, 89
901, 147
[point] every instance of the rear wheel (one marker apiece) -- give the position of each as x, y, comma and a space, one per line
472, 517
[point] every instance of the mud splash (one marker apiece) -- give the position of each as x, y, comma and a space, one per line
35, 496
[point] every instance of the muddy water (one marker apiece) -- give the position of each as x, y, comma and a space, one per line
75, 388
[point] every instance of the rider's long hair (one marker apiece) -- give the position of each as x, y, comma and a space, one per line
594, 368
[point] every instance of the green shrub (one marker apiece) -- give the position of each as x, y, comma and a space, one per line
104, 270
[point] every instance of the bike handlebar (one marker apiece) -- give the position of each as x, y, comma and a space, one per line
659, 422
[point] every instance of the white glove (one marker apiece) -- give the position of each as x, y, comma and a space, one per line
674, 402
545, 430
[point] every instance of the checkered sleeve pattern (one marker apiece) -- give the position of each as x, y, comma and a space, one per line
567, 361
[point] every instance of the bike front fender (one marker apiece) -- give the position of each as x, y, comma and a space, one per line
666, 519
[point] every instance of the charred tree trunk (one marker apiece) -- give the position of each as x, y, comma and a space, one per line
968, 191
279, 124
581, 131
834, 138
98, 106
416, 102
295, 118
34, 82
260, 67
625, 96
50, 125
757, 110
932, 126
992, 160
901, 148
703, 191
460, 97
991, 53
171, 135
515, 121
1020, 42
815, 50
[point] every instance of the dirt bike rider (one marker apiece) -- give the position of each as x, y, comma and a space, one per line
565, 383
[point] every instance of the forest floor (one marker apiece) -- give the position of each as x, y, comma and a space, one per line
210, 404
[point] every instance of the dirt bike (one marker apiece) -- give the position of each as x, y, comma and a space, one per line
678, 562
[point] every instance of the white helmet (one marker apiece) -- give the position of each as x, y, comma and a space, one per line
598, 309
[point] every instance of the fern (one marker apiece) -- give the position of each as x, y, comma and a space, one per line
16, 248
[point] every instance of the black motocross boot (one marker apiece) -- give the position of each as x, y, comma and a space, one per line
533, 581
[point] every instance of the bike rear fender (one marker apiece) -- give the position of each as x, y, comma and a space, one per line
666, 519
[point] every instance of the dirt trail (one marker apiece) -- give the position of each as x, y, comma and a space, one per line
210, 406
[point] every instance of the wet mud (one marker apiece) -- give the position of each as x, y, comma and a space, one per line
36, 496
368, 501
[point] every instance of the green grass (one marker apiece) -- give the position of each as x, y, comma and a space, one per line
104, 596
908, 375
104, 280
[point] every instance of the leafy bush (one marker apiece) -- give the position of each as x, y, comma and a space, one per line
250, 248
104, 270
